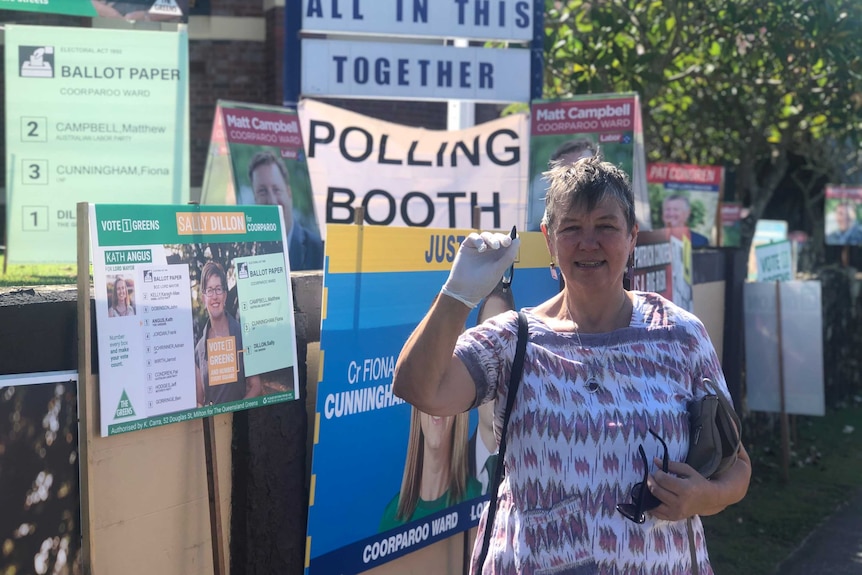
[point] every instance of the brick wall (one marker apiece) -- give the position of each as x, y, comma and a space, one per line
226, 71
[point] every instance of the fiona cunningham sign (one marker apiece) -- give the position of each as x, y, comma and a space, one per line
379, 282
406, 176
194, 312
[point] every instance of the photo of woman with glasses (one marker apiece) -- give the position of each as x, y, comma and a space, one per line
608, 373
219, 366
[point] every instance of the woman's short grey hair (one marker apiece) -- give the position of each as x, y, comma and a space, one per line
583, 185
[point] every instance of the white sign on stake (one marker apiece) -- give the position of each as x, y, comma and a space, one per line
802, 347
508, 20
382, 70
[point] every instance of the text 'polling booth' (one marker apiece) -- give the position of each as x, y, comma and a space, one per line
407, 176
91, 115
365, 507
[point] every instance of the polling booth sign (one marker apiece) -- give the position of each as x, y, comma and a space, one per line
404, 53
504, 20
91, 115
194, 311
406, 176
378, 284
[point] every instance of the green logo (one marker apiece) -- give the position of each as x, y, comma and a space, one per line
124, 408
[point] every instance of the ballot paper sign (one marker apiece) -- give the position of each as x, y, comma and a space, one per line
92, 115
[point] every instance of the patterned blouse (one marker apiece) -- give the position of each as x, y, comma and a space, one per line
573, 453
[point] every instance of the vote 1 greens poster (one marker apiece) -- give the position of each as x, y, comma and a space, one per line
92, 115
194, 312
378, 283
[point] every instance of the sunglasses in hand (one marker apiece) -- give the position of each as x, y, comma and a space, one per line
642, 498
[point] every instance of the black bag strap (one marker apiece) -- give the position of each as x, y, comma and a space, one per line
514, 382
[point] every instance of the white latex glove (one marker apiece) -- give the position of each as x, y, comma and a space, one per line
479, 265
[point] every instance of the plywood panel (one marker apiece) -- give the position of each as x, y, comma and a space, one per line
709, 307
148, 504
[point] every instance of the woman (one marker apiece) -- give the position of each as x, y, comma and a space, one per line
121, 301
230, 385
604, 367
435, 472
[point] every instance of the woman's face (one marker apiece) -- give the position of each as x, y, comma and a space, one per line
592, 248
437, 430
215, 296
122, 293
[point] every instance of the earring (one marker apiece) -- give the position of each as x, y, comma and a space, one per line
554, 270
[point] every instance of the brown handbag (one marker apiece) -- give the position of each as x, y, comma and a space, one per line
715, 433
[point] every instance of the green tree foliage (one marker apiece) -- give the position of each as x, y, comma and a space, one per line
749, 84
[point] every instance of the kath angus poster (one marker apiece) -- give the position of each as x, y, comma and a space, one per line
194, 312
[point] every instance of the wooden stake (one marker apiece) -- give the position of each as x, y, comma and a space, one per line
219, 567
86, 389
785, 427
476, 218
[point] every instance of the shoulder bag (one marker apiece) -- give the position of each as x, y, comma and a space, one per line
514, 382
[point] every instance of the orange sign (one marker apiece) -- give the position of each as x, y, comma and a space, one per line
210, 223
221, 360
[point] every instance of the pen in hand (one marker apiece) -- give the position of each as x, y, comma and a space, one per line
510, 271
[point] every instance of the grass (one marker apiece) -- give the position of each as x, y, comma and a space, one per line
754, 536
36, 274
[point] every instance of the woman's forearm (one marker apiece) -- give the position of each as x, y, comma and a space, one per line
732, 485
426, 374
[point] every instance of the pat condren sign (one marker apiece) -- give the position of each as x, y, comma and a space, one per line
414, 71
507, 20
